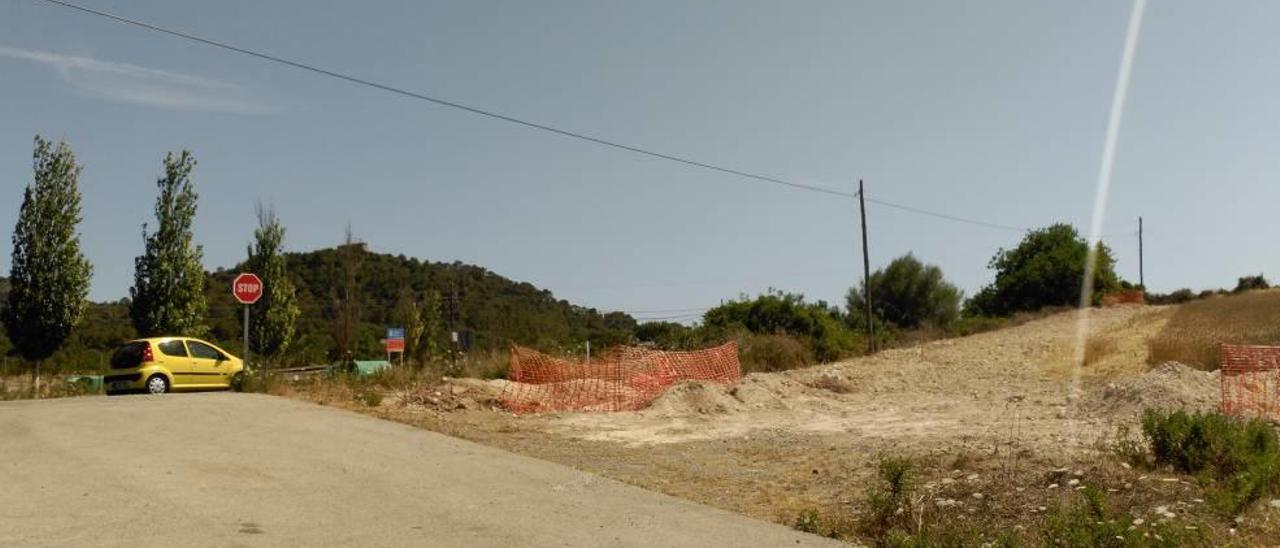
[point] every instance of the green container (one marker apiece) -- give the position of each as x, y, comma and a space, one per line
88, 383
361, 368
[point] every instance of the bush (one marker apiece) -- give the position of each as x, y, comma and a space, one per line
1241, 459
778, 313
1088, 522
767, 353
970, 325
889, 503
1177, 297
1249, 283
1046, 269
909, 294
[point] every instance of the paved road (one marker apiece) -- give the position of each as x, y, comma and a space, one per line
228, 469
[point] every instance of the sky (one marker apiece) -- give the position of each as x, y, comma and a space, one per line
994, 111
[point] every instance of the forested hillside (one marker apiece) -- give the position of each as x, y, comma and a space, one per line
492, 311
495, 310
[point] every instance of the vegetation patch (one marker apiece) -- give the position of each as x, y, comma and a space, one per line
1238, 460
1196, 329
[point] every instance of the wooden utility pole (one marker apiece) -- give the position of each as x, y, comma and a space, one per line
1142, 280
866, 269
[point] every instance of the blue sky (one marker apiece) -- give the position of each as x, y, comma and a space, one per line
993, 110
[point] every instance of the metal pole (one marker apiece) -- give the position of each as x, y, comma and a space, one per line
866, 269
246, 337
588, 350
1142, 279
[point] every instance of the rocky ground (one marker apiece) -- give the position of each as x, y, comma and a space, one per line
999, 416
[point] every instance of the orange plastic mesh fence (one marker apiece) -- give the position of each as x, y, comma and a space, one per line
624, 378
1251, 381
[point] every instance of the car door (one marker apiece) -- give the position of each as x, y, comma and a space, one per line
178, 361
210, 368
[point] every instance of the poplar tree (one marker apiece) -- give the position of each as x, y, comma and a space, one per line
275, 315
49, 276
167, 297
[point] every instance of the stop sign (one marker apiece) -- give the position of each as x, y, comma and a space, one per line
247, 288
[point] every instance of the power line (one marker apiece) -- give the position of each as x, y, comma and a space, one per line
518, 121
451, 104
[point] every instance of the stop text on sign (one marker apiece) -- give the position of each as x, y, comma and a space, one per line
247, 288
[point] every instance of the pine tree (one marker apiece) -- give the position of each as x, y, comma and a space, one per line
275, 316
168, 280
49, 276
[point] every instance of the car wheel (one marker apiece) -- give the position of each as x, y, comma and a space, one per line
157, 384
237, 381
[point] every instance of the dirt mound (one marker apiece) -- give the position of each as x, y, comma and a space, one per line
756, 391
456, 395
1169, 386
695, 398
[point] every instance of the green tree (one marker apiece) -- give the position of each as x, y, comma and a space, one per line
167, 296
432, 344
777, 313
409, 314
1046, 269
908, 294
49, 276
272, 323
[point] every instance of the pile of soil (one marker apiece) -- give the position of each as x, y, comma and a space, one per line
756, 391
1169, 386
456, 395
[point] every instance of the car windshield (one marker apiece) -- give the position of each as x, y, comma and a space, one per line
129, 355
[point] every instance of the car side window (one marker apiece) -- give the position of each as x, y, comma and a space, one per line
173, 348
203, 351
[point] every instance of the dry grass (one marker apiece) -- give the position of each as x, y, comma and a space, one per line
1196, 329
1098, 347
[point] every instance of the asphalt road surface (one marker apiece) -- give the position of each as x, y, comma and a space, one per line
225, 469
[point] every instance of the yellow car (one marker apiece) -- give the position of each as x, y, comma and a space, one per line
160, 364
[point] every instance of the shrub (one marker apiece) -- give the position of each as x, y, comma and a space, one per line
1046, 269
970, 325
908, 294
889, 503
1088, 522
808, 522
778, 313
1177, 297
1249, 283
1241, 458
766, 353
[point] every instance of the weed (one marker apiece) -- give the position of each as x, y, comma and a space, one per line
371, 398
1088, 522
1240, 459
808, 521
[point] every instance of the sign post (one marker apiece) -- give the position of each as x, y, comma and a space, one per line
395, 342
247, 289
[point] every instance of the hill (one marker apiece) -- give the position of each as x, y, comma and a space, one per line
492, 311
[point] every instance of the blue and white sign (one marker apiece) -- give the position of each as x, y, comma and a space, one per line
395, 333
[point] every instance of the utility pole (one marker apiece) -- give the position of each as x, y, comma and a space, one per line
1142, 280
866, 269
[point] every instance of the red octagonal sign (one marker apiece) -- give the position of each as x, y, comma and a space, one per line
247, 288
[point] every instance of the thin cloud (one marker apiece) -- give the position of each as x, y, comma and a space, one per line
141, 85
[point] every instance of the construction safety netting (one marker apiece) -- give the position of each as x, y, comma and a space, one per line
624, 378
1251, 381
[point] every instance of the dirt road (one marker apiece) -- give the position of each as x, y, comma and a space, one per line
246, 470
